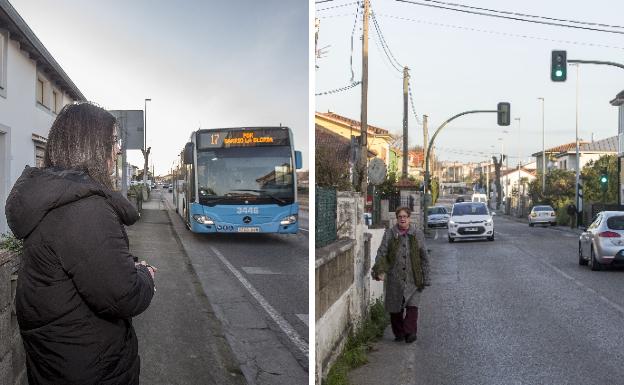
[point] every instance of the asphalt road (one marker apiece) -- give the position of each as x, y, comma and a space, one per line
258, 286
519, 310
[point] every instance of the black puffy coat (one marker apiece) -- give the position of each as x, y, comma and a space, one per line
78, 286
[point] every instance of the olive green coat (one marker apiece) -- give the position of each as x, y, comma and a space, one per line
405, 262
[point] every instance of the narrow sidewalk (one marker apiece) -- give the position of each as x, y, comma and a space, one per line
180, 339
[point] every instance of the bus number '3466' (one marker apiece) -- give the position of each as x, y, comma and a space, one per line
247, 210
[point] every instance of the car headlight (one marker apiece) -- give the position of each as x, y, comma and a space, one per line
203, 219
289, 220
489, 222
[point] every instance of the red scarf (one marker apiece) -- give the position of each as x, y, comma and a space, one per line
403, 232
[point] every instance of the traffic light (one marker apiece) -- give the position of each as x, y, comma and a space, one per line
559, 66
503, 112
604, 180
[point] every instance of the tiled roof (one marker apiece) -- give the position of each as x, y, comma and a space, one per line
353, 123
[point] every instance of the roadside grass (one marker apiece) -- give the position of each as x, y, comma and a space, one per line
359, 343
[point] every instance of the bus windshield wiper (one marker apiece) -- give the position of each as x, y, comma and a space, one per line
212, 200
266, 194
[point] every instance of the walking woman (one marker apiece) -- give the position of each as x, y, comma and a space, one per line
403, 264
78, 286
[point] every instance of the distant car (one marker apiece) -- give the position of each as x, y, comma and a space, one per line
470, 220
170, 188
542, 214
437, 216
479, 198
602, 243
460, 199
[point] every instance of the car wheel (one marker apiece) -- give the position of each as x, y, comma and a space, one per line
553, 223
451, 240
490, 238
594, 265
582, 261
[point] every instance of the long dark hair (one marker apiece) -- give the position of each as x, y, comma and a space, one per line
82, 138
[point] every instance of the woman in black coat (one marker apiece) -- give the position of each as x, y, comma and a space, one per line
78, 286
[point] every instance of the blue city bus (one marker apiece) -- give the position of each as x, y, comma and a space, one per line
239, 180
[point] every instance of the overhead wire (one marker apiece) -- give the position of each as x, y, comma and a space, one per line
357, 11
525, 14
510, 17
337, 6
505, 34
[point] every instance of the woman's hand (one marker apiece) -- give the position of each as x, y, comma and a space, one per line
150, 268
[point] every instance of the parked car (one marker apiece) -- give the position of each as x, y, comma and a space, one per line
602, 243
542, 214
437, 216
460, 199
470, 220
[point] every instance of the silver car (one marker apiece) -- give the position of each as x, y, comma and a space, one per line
437, 216
542, 214
602, 243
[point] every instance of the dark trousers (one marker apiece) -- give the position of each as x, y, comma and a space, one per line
404, 325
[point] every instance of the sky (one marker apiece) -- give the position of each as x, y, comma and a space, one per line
460, 62
204, 64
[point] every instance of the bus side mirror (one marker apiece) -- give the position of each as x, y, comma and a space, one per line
298, 160
188, 153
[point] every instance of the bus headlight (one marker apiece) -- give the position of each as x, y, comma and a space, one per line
289, 220
203, 219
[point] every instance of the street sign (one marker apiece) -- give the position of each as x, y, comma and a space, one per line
131, 125
376, 171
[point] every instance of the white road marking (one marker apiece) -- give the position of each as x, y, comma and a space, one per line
305, 318
274, 314
257, 270
436, 235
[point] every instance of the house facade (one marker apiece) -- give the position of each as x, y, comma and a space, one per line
563, 157
619, 103
33, 90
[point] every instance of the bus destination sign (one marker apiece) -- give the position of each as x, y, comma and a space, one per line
243, 138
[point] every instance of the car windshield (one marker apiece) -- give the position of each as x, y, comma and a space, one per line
616, 223
436, 210
543, 208
470, 209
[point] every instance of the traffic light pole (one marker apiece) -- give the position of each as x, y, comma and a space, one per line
427, 177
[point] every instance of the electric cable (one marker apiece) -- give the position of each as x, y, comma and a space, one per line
341, 89
511, 18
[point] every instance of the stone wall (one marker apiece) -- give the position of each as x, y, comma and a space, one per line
12, 356
342, 284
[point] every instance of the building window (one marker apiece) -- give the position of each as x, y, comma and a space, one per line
40, 146
3, 59
40, 91
57, 98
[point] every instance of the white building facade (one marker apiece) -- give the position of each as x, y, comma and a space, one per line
33, 89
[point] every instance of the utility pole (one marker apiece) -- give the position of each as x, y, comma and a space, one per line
425, 142
578, 160
543, 150
364, 105
405, 133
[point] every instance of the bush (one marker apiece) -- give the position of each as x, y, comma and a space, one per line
9, 242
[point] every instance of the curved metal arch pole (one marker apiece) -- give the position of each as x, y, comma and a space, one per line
437, 131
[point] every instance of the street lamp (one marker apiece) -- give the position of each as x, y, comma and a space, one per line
543, 150
145, 149
578, 160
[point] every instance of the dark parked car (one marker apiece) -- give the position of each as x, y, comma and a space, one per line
460, 200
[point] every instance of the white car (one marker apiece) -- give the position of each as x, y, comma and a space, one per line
437, 216
470, 220
479, 198
542, 214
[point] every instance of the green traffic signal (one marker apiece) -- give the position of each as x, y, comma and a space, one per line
558, 66
604, 179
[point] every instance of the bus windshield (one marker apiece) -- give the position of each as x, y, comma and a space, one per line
245, 174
